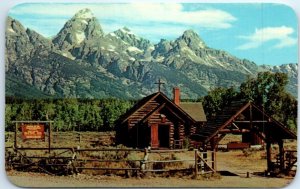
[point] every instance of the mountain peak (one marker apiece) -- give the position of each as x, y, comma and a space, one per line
190, 33
192, 39
83, 26
126, 30
84, 14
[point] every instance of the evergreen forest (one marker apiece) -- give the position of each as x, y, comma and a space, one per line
267, 90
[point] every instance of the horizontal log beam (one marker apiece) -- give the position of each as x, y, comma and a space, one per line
46, 148
107, 168
107, 160
234, 131
169, 161
108, 149
166, 170
166, 151
259, 121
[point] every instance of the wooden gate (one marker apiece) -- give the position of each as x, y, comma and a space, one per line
203, 163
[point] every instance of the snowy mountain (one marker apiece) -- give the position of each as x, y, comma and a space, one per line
84, 62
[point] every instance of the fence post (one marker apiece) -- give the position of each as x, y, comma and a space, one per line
15, 139
196, 163
143, 163
79, 137
49, 138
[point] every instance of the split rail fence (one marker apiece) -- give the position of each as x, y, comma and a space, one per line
64, 161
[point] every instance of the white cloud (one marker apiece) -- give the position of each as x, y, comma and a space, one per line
139, 12
280, 35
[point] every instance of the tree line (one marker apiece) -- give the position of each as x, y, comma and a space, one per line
67, 114
266, 90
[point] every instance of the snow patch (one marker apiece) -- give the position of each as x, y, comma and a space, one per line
288, 68
113, 34
68, 55
160, 58
190, 54
125, 81
80, 36
84, 22
214, 60
126, 31
132, 59
11, 30
201, 44
247, 70
151, 48
111, 48
134, 49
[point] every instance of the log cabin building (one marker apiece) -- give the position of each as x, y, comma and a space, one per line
159, 122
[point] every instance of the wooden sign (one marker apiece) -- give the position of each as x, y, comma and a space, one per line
33, 131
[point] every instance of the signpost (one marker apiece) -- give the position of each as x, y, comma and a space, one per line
33, 130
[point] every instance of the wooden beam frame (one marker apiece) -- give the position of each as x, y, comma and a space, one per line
234, 131
220, 138
279, 124
257, 121
229, 121
234, 125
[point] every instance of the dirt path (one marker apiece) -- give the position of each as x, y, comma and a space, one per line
41, 180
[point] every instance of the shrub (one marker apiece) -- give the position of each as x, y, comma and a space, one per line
186, 143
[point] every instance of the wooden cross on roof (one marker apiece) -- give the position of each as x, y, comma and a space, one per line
159, 83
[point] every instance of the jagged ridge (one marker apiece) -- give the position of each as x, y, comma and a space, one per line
82, 61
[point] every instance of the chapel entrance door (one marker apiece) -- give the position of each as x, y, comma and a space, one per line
154, 136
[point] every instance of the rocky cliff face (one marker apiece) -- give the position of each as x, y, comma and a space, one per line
82, 61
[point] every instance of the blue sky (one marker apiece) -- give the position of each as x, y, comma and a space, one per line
263, 33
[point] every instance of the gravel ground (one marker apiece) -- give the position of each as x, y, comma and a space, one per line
234, 161
42, 180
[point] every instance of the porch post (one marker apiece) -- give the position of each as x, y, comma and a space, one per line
281, 154
214, 159
269, 151
214, 146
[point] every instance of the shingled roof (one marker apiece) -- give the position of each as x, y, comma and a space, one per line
194, 109
233, 113
136, 106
